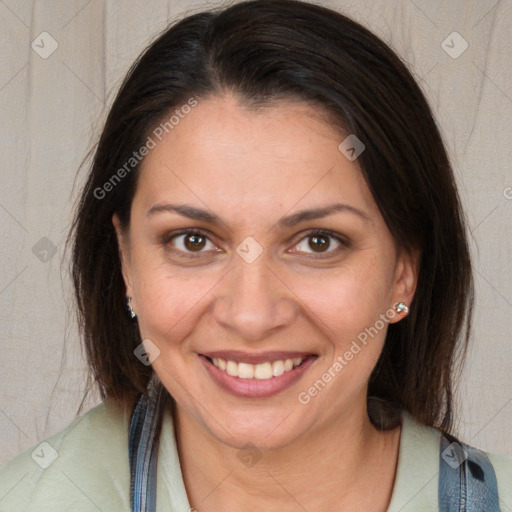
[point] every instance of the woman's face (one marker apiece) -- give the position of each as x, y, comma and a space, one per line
252, 286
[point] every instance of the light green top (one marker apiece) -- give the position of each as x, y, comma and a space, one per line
85, 468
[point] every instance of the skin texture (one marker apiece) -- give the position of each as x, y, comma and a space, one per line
251, 168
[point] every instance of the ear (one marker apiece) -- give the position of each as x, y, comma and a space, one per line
406, 280
124, 253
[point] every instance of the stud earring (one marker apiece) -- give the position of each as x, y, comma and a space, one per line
133, 316
401, 307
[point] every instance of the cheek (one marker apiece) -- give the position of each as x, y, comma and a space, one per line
348, 299
168, 302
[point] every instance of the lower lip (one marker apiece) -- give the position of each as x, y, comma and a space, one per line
255, 388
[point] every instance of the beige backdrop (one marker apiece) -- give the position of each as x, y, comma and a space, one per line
52, 107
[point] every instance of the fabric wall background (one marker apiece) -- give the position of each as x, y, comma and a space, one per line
52, 110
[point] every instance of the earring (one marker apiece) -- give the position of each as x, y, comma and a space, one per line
401, 307
133, 316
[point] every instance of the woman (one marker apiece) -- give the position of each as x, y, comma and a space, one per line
273, 280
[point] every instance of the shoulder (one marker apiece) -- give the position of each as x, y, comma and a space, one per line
502, 465
420, 459
416, 486
79, 468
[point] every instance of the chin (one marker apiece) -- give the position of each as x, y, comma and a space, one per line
269, 430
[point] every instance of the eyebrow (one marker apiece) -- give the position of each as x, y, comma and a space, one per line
199, 214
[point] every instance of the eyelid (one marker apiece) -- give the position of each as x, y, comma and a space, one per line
343, 241
167, 238
185, 231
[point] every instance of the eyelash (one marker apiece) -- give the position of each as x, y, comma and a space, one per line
198, 231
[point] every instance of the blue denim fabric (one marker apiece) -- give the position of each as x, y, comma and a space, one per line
467, 481
143, 452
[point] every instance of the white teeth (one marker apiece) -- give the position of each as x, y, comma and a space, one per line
277, 368
262, 371
232, 368
245, 371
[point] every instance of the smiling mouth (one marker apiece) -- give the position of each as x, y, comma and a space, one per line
261, 371
256, 375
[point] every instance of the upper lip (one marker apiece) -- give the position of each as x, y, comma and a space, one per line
254, 358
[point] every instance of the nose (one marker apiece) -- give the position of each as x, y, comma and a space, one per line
253, 301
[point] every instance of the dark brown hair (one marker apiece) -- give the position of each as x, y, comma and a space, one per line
265, 51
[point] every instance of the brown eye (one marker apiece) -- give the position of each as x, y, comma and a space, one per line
194, 241
189, 242
321, 242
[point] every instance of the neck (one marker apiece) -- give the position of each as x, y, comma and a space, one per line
333, 467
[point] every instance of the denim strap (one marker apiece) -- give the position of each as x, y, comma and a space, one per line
467, 481
143, 452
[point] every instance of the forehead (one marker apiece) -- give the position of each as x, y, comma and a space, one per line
223, 153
